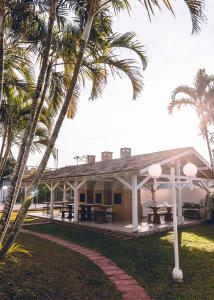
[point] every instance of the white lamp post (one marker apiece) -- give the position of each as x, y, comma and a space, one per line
190, 170
177, 273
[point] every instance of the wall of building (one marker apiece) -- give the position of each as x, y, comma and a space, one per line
164, 195
123, 211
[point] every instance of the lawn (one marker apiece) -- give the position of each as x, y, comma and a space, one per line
150, 259
53, 272
28, 219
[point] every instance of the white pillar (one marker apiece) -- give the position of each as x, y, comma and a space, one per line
179, 194
177, 273
52, 202
75, 202
64, 192
134, 204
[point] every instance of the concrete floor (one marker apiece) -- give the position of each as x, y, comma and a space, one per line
121, 227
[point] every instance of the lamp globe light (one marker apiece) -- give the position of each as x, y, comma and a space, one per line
190, 170
155, 171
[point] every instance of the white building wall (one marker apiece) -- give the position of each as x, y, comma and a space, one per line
164, 195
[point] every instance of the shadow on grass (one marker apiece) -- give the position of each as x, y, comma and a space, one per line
53, 272
150, 259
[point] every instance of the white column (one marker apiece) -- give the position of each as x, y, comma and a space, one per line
52, 202
179, 194
177, 273
75, 202
64, 192
134, 204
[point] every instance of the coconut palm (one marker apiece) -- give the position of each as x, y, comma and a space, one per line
197, 97
27, 140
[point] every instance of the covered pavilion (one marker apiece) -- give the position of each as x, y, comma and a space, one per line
118, 182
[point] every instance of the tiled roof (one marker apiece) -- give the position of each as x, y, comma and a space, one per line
128, 164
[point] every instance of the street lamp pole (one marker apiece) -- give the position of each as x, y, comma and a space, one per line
177, 273
190, 171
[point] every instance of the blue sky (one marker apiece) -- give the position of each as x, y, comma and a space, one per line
115, 121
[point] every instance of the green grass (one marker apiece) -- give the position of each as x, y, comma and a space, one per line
53, 272
150, 259
28, 219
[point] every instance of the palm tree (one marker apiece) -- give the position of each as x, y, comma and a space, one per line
197, 97
27, 140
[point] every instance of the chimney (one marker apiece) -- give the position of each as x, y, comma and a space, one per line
125, 152
106, 155
91, 159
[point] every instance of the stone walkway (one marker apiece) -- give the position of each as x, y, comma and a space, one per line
125, 284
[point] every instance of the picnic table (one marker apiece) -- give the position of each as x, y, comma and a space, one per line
56, 205
99, 213
70, 207
156, 213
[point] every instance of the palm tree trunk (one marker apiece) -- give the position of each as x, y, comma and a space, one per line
5, 158
61, 117
2, 16
64, 108
13, 232
3, 143
40, 82
209, 147
203, 119
17, 175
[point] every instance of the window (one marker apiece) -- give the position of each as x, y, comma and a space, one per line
82, 197
117, 198
98, 198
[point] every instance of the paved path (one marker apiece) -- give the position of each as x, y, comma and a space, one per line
125, 284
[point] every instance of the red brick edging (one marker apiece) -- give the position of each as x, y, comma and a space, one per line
125, 284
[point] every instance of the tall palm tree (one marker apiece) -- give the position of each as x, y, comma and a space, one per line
16, 177
197, 97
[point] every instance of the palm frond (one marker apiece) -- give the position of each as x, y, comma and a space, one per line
127, 67
72, 108
128, 41
56, 92
151, 4
203, 81
184, 89
13, 254
179, 103
97, 75
196, 9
